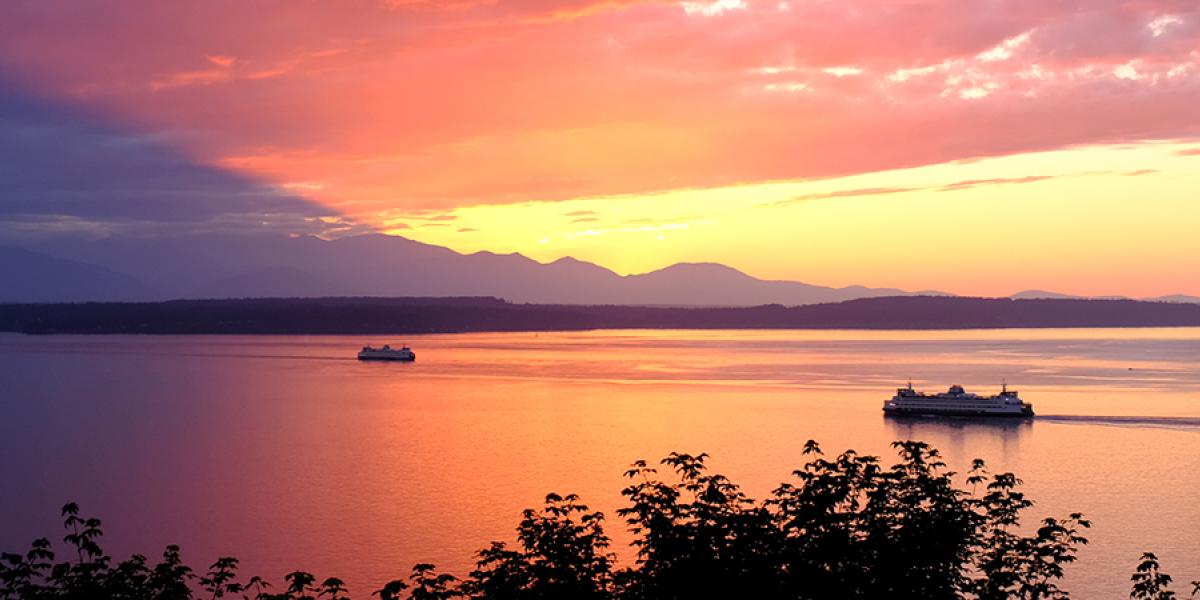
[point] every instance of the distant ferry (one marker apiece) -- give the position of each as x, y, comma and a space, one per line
957, 403
387, 353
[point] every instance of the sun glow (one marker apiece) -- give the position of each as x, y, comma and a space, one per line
961, 227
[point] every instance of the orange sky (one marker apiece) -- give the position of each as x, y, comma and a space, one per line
971, 147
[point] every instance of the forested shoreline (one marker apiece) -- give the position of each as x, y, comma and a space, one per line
451, 315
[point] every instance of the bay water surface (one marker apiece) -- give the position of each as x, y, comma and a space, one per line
290, 454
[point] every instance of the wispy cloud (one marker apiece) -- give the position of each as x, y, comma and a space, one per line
948, 187
971, 183
712, 8
650, 228
428, 217
850, 193
189, 78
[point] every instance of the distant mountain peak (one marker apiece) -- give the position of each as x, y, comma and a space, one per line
1178, 298
1040, 295
490, 253
570, 260
700, 265
696, 268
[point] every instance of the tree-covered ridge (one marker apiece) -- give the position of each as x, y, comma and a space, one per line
288, 316
844, 527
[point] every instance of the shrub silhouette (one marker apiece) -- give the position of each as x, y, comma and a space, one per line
844, 527
563, 554
1151, 583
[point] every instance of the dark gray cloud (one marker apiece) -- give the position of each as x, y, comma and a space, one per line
66, 172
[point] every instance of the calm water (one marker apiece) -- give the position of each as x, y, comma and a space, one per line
289, 454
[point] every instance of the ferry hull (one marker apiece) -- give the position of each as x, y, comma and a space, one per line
949, 412
385, 358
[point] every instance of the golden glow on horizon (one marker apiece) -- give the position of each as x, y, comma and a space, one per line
1086, 221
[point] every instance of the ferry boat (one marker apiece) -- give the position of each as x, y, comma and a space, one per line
387, 353
956, 402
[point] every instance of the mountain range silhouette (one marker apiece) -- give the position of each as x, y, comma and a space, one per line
255, 266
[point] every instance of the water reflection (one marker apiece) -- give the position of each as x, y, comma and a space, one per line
957, 436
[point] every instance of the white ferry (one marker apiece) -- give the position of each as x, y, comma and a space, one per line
387, 353
956, 402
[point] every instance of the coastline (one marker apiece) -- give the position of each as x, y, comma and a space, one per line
409, 316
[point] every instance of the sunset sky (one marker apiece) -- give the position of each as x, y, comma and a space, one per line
975, 147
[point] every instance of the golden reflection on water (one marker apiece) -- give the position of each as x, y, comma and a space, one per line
289, 454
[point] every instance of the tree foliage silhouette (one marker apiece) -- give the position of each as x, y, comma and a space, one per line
563, 554
843, 527
1151, 583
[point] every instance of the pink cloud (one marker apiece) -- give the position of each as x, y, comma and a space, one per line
430, 105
